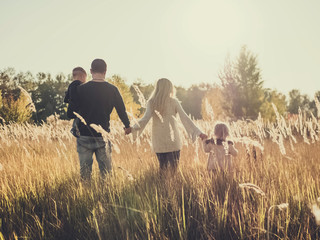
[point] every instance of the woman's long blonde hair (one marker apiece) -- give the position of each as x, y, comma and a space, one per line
161, 94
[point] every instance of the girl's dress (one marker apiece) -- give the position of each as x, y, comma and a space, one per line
220, 153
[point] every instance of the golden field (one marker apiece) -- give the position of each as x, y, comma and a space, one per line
273, 192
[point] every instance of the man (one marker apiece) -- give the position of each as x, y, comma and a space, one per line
97, 98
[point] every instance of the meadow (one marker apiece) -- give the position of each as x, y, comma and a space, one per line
272, 194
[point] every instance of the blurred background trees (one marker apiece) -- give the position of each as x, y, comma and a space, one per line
131, 106
240, 95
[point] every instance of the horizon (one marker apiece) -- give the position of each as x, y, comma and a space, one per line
187, 42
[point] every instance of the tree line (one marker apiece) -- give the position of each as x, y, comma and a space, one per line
240, 95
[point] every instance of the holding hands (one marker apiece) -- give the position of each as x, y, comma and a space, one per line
203, 136
127, 130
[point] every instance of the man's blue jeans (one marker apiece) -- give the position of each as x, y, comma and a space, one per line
86, 147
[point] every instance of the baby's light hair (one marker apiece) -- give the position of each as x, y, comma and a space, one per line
78, 71
221, 131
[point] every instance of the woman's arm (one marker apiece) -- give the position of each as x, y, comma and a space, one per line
138, 128
192, 130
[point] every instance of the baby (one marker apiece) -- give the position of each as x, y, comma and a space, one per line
220, 150
79, 76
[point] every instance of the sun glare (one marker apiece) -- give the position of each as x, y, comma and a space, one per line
208, 26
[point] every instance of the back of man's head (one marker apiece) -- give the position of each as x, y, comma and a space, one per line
98, 66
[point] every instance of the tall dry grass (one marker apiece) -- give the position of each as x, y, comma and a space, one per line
273, 192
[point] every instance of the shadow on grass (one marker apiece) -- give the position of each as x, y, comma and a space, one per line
167, 205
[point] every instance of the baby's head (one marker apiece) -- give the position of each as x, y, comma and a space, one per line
221, 131
80, 74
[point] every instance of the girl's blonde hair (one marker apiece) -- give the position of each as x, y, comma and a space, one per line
161, 94
221, 131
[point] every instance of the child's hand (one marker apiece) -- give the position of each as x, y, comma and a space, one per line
203, 136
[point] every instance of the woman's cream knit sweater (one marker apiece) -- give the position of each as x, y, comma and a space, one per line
165, 132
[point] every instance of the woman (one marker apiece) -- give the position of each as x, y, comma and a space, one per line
163, 107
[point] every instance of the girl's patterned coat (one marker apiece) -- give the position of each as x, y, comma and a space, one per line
220, 153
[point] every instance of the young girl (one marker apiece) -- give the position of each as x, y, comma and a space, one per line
220, 150
163, 107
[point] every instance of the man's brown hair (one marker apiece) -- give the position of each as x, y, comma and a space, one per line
98, 66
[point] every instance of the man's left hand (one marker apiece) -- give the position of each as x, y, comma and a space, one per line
127, 130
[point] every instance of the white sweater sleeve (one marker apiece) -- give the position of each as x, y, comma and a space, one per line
192, 130
138, 128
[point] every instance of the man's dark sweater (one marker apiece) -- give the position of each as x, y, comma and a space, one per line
72, 98
96, 102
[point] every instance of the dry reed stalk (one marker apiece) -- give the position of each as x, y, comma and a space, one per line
141, 98
159, 115
30, 105
253, 187
80, 117
171, 133
128, 174
316, 100
209, 110
106, 136
281, 207
316, 212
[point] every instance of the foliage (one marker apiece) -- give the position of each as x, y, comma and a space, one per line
49, 95
17, 110
296, 101
241, 94
145, 89
131, 106
242, 86
315, 105
273, 98
191, 99
250, 84
213, 97
46, 92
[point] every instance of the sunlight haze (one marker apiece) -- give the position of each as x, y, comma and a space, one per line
185, 41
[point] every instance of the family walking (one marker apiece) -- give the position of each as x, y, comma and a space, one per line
94, 101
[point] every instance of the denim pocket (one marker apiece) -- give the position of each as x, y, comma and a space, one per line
90, 142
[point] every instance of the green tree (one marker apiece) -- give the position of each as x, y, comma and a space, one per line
296, 101
131, 106
242, 86
250, 84
191, 99
276, 98
16, 103
315, 105
49, 95
230, 89
17, 110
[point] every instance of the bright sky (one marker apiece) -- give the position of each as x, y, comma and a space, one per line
186, 41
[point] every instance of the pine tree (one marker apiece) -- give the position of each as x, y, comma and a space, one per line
242, 86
